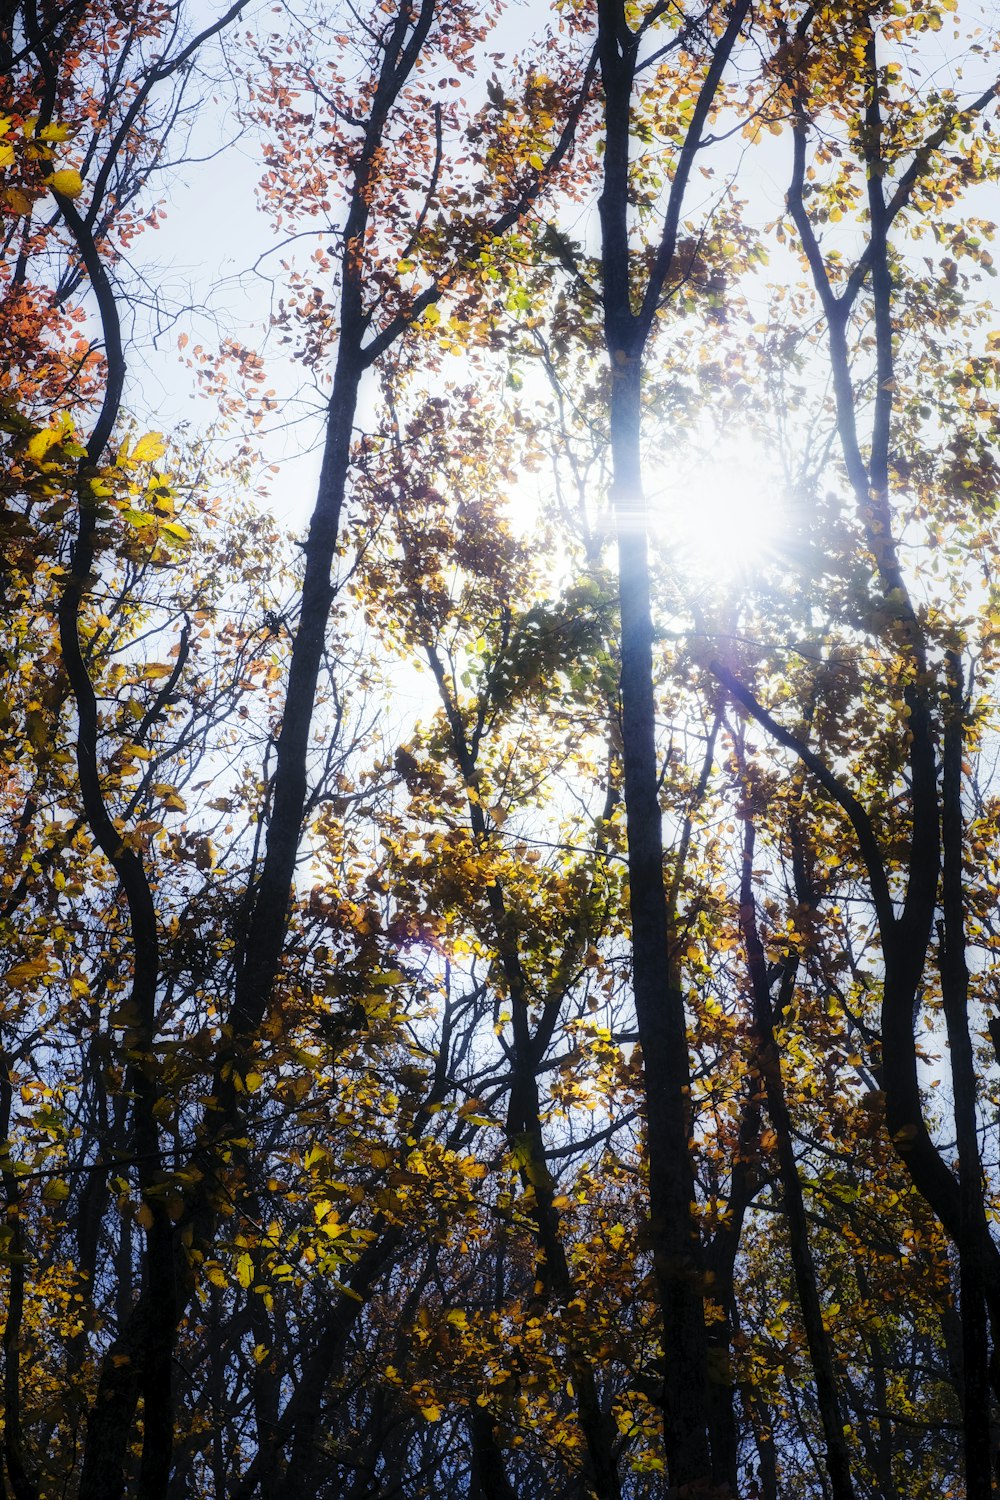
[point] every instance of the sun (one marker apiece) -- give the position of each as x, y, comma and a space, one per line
721, 515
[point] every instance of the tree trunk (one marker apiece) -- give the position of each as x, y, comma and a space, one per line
674, 1235
955, 994
838, 1462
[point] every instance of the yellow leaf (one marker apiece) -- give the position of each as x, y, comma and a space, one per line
145, 1216
24, 973
41, 443
148, 447
68, 182
6, 154
55, 1191
244, 1270
169, 796
54, 133
215, 1274
431, 1411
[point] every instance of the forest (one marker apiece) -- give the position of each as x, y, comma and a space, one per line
499, 750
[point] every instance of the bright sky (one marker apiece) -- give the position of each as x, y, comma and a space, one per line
215, 250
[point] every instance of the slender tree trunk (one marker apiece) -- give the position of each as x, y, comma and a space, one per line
300, 1419
488, 1478
674, 1235
955, 993
936, 823
19, 1476
691, 1418
525, 1135
266, 1392
838, 1462
883, 1443
720, 1263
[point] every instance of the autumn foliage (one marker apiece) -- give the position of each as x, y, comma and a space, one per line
497, 983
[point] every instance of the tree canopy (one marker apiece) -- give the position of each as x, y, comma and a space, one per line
499, 795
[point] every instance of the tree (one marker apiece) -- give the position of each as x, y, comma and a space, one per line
899, 163
458, 1027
